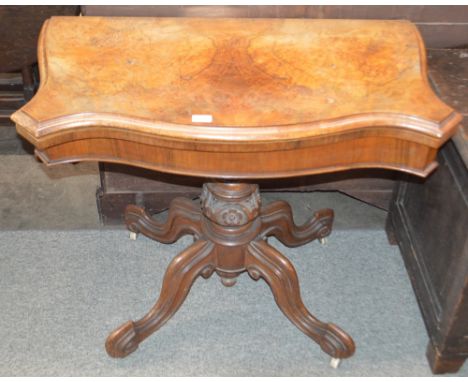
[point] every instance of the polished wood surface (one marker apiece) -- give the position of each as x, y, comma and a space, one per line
286, 97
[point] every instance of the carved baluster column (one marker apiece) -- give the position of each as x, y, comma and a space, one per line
231, 221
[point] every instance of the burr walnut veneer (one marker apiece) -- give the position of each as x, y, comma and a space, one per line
231, 101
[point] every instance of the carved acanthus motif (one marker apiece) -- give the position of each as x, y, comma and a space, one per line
230, 204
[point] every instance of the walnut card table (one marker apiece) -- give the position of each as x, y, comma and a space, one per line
232, 101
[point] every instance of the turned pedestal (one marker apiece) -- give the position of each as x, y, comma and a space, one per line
230, 229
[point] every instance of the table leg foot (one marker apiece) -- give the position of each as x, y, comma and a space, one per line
335, 362
323, 241
266, 262
277, 220
440, 363
198, 259
228, 282
122, 341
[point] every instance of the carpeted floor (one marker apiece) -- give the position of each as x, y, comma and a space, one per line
62, 292
34, 196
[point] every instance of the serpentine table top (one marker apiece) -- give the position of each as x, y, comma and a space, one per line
236, 98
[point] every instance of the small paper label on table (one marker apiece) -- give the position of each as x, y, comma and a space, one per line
202, 118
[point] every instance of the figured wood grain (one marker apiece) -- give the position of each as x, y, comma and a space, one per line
287, 97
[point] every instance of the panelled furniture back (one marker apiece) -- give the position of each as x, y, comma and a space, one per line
19, 31
441, 26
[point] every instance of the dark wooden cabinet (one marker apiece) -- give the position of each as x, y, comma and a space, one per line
430, 223
123, 185
19, 32
442, 26
430, 220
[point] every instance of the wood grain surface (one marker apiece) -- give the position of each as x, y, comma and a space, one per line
286, 97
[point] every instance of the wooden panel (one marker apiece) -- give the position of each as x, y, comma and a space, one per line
135, 179
429, 221
444, 36
357, 153
11, 96
448, 71
11, 99
442, 26
123, 185
19, 32
415, 13
256, 11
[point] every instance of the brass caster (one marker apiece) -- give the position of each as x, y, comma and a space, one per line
335, 362
323, 240
228, 282
133, 235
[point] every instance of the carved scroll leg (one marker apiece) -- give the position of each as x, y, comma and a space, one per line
266, 262
184, 219
277, 221
198, 259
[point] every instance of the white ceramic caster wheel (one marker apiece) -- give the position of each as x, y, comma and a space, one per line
133, 235
323, 240
335, 362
